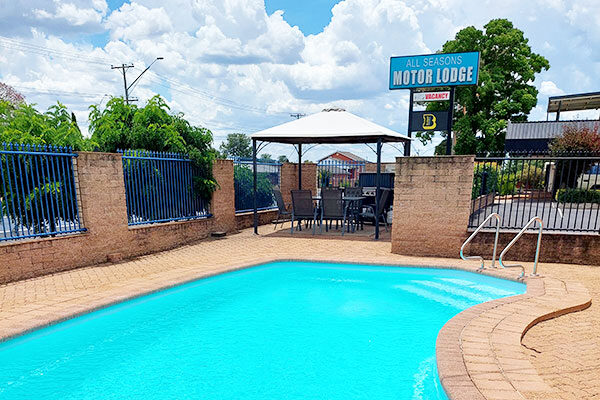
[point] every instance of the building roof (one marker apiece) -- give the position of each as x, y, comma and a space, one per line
544, 129
348, 154
574, 102
329, 126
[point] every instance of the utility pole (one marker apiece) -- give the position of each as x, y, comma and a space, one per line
124, 68
297, 115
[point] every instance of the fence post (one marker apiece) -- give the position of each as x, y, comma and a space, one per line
223, 199
432, 204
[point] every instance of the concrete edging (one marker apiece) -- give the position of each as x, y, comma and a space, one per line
479, 351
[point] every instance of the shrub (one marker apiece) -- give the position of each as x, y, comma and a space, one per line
578, 196
244, 199
486, 175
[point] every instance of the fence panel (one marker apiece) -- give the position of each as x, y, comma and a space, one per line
159, 187
334, 173
268, 176
38, 195
564, 190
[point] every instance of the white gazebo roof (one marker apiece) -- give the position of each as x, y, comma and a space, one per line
329, 126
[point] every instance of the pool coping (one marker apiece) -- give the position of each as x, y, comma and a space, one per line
479, 352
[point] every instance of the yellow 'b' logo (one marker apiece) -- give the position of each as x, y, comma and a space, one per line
429, 122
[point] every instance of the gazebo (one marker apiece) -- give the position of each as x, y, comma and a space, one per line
330, 126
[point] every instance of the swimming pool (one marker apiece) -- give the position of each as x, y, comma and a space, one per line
284, 330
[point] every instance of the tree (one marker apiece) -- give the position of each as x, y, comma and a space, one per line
236, 145
505, 91
266, 157
22, 127
154, 128
283, 159
22, 123
10, 95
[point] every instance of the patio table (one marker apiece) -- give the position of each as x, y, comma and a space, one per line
347, 201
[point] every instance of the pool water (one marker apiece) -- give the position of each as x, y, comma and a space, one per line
285, 330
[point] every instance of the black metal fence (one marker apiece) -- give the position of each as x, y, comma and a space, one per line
338, 173
268, 176
564, 190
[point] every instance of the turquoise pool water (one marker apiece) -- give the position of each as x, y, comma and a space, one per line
286, 330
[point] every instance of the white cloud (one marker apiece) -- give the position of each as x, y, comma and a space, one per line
134, 21
549, 88
73, 14
231, 67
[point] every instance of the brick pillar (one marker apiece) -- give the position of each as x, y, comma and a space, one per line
102, 202
223, 200
431, 205
289, 179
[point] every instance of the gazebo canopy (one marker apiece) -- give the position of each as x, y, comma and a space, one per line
329, 126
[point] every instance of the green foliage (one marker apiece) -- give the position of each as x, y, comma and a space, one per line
38, 204
125, 126
244, 199
266, 157
577, 196
507, 178
236, 145
22, 123
485, 180
505, 91
324, 177
283, 159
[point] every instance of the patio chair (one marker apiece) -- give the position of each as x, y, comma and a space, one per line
303, 208
332, 208
381, 211
283, 212
354, 208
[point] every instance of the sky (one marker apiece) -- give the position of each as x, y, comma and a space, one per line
246, 65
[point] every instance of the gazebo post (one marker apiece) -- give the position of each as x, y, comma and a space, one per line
378, 190
299, 166
254, 186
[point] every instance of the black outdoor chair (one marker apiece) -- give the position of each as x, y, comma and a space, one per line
354, 208
283, 212
303, 208
382, 210
332, 208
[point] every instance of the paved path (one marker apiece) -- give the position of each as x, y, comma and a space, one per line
565, 350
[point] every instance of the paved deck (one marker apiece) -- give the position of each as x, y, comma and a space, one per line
564, 352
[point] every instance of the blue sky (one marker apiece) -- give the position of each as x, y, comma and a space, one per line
245, 65
311, 16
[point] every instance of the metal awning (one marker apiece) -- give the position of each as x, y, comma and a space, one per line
574, 102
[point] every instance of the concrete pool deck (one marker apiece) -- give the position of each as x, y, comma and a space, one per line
482, 351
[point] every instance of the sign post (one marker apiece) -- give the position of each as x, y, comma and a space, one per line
433, 71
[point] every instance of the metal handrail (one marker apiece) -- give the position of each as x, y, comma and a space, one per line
537, 249
480, 227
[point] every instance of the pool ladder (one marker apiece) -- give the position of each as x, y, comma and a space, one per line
480, 227
512, 242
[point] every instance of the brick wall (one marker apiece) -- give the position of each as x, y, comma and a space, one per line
556, 247
223, 201
103, 208
246, 220
431, 205
289, 179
